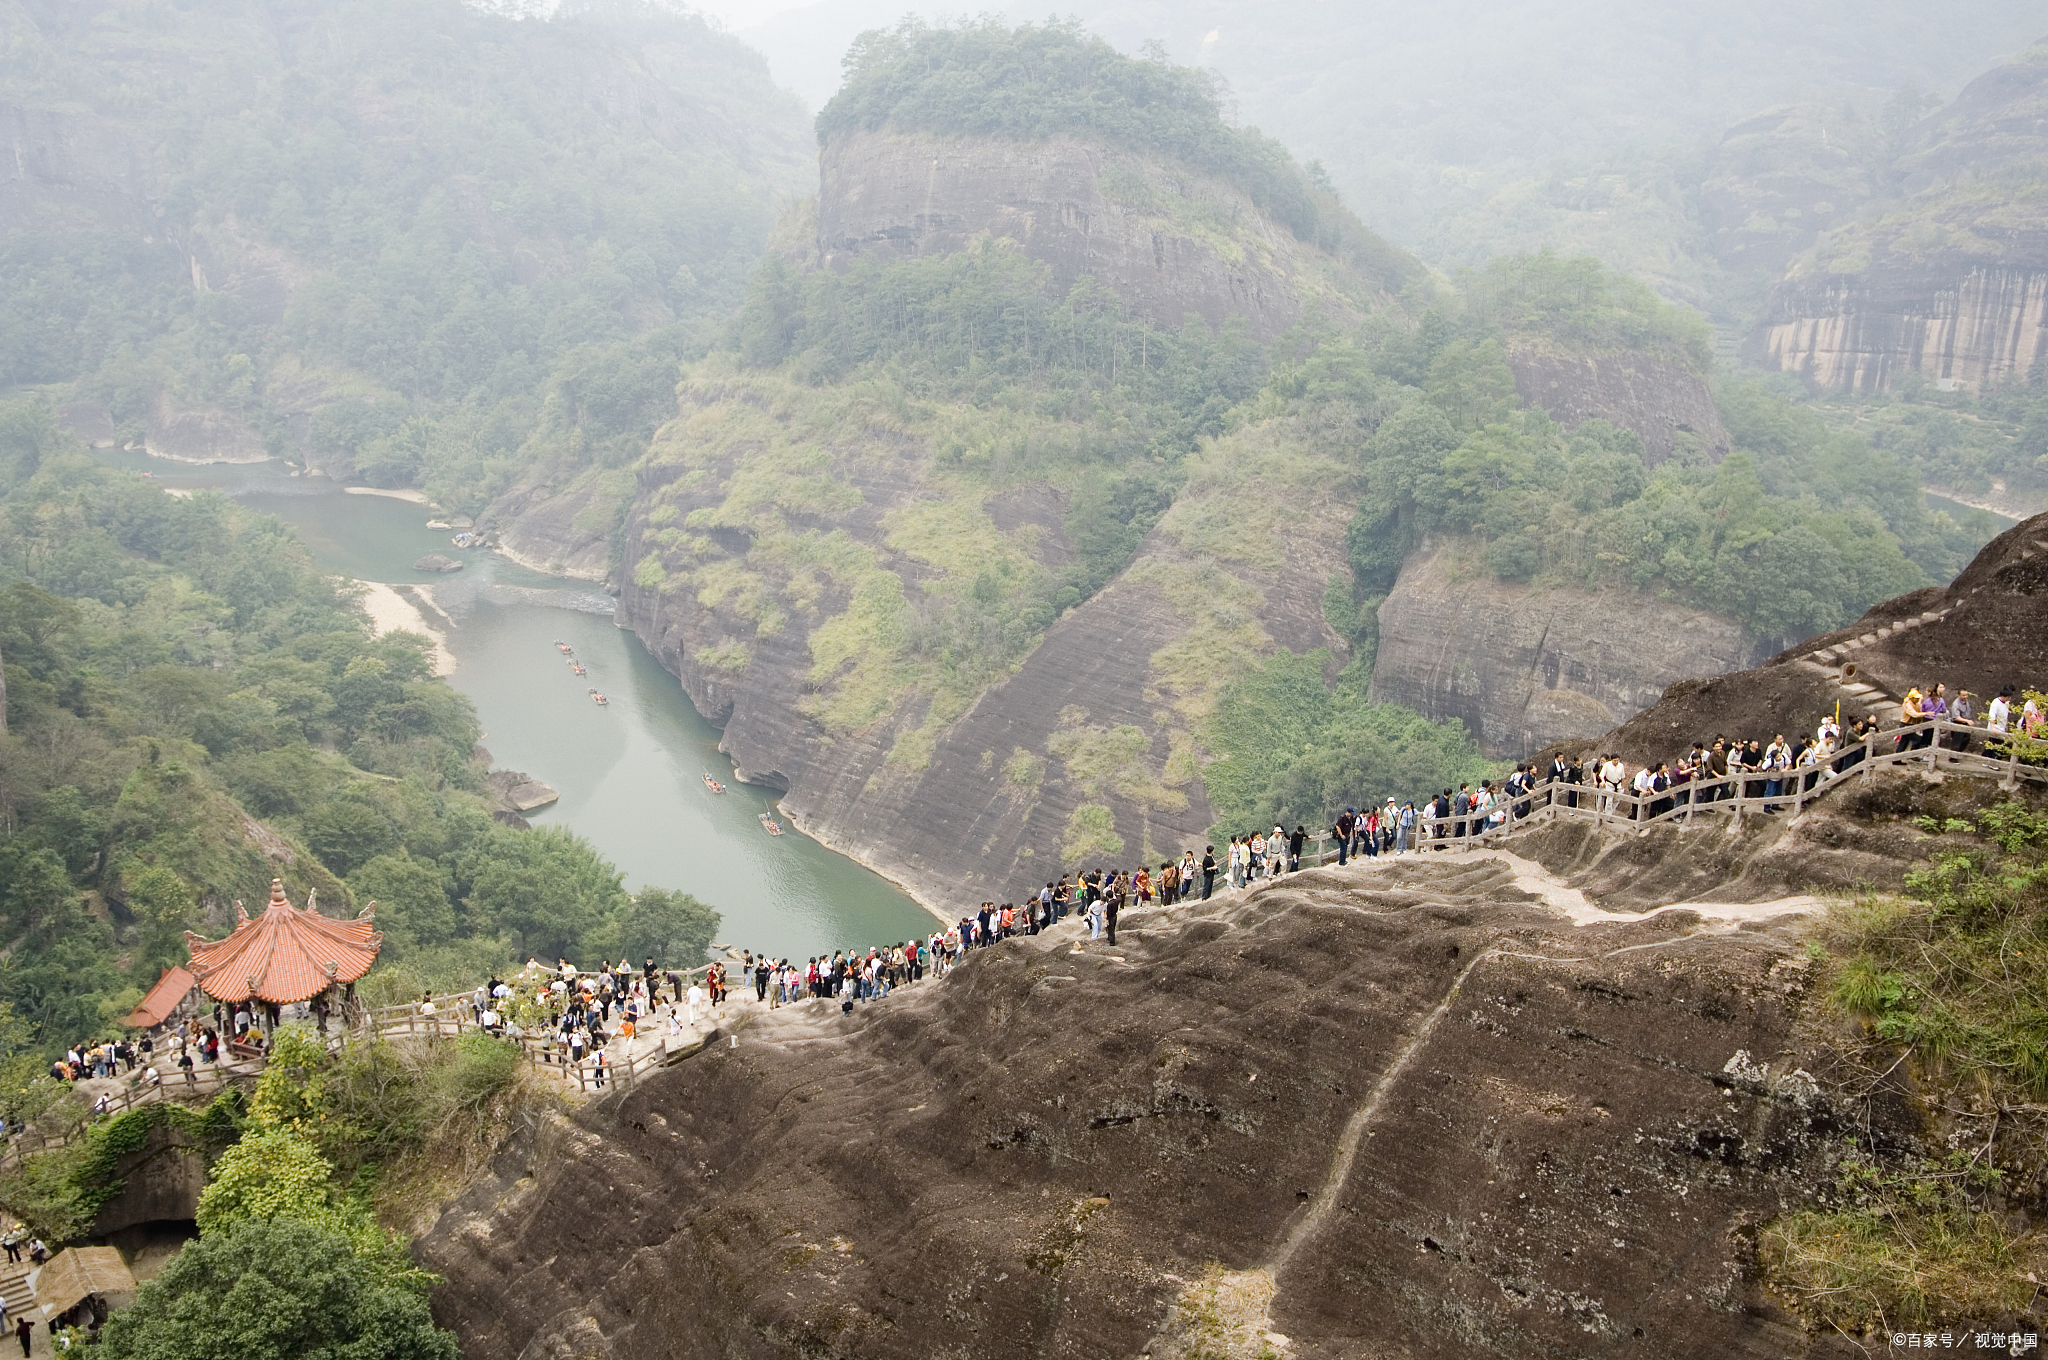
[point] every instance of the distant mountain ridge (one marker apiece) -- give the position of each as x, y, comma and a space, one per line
406, 241
1950, 282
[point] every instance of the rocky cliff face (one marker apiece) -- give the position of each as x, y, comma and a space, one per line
1406, 1111
564, 530
1962, 321
1950, 282
1668, 405
201, 434
1169, 242
813, 595
1524, 666
65, 164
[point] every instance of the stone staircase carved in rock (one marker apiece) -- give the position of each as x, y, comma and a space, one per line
1859, 693
15, 1290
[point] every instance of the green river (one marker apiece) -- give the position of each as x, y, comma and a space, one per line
630, 774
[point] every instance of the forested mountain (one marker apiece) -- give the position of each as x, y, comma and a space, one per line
193, 709
964, 542
410, 241
1463, 131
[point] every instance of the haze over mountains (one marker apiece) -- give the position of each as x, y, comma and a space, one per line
1462, 130
1046, 458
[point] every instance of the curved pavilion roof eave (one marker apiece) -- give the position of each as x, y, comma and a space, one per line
287, 954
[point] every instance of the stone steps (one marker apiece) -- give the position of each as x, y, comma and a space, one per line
14, 1288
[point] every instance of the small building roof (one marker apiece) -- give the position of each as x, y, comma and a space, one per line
287, 954
78, 1271
172, 988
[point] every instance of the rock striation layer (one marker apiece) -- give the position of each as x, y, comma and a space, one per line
1410, 1111
1170, 243
1527, 665
1084, 748
1950, 282
1669, 406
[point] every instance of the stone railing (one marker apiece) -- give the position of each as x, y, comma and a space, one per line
149, 1087
1932, 747
453, 1015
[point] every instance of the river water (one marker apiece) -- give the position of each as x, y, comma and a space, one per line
631, 773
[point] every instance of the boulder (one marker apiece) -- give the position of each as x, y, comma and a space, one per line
519, 792
436, 562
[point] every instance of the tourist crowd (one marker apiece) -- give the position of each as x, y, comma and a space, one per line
581, 1017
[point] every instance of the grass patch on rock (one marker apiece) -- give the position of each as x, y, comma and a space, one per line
1940, 1229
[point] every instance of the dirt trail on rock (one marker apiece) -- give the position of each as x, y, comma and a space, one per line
1540, 883
1317, 1211
1230, 1313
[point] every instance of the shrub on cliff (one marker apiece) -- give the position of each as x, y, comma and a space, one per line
1797, 532
1290, 752
1946, 984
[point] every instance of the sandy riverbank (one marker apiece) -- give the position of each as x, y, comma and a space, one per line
406, 494
391, 612
1997, 501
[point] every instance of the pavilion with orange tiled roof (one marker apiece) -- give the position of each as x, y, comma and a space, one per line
286, 955
164, 999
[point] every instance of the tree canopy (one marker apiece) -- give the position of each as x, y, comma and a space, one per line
178, 672
275, 1289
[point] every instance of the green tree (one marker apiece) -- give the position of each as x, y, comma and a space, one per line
271, 1173
1290, 752
411, 894
348, 832
672, 928
277, 1289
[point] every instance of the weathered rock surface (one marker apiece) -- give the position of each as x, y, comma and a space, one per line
1957, 319
1085, 749
160, 1181
563, 529
1523, 666
1407, 1111
1952, 282
1668, 405
1170, 243
436, 562
201, 434
88, 422
518, 791
61, 165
